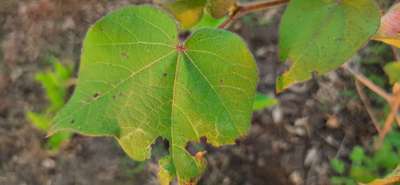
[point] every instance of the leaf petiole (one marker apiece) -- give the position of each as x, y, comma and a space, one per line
244, 9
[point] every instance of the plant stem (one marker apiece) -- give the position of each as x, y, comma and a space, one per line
258, 6
244, 9
396, 54
364, 80
367, 104
386, 181
398, 120
225, 24
396, 93
390, 119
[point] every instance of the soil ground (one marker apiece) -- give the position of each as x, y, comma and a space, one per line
289, 144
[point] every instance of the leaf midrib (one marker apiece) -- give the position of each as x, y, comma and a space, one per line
214, 90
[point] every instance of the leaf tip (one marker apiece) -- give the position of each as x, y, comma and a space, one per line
282, 84
52, 130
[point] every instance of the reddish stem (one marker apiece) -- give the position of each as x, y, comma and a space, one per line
244, 9
368, 83
258, 6
365, 100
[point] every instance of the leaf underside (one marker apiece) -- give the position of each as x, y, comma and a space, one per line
137, 83
320, 35
389, 30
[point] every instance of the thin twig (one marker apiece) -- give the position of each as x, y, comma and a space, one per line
396, 54
398, 119
338, 152
365, 81
258, 6
244, 9
367, 104
390, 119
386, 181
226, 23
396, 93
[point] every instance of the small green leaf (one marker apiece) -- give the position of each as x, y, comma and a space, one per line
393, 71
138, 82
349, 181
338, 166
262, 101
187, 12
320, 35
336, 180
220, 8
357, 155
40, 121
393, 139
362, 174
386, 156
54, 83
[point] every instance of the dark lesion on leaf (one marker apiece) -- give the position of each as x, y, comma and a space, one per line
221, 81
183, 36
96, 95
165, 74
72, 121
124, 55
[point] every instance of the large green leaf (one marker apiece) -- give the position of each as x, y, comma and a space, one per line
393, 71
138, 82
320, 35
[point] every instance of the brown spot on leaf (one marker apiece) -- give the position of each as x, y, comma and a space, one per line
203, 140
96, 95
124, 55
